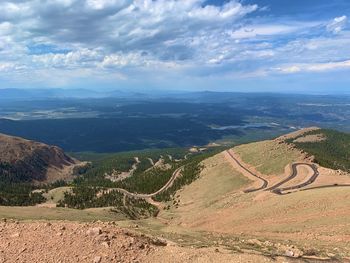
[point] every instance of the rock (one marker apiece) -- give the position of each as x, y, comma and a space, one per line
142, 246
95, 231
15, 235
158, 241
105, 244
102, 237
97, 259
254, 242
237, 248
295, 253
330, 255
268, 244
289, 253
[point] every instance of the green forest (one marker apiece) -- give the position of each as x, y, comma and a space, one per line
92, 189
333, 152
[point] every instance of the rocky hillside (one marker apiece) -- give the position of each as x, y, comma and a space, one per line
99, 243
28, 161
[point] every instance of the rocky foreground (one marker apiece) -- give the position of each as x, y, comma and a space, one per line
72, 242
98, 243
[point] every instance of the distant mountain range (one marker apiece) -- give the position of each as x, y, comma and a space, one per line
192, 96
64, 93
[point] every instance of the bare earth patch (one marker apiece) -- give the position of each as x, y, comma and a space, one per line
297, 133
315, 219
311, 138
98, 243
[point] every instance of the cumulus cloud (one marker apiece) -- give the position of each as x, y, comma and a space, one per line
119, 37
162, 29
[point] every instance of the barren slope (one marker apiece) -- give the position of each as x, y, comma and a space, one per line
29, 161
98, 243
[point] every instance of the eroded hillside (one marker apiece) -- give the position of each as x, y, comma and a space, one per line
28, 161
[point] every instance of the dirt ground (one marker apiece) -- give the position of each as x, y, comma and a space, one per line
98, 243
215, 203
311, 138
295, 134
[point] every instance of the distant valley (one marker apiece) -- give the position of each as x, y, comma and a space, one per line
224, 176
121, 123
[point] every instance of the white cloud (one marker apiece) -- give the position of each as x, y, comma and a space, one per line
122, 37
263, 30
337, 24
314, 67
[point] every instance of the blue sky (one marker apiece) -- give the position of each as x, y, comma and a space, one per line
298, 46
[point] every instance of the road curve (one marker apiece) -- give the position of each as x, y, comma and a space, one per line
312, 179
292, 176
264, 181
170, 182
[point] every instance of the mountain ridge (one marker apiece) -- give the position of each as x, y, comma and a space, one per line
24, 160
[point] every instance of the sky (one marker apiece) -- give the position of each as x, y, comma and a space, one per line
300, 46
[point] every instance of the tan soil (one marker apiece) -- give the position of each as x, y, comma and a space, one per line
295, 134
311, 138
317, 218
304, 173
331, 177
271, 178
255, 181
70, 242
98, 243
175, 254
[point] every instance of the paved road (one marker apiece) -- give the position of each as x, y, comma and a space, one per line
264, 182
294, 174
276, 188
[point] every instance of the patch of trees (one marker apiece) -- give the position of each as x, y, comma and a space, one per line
334, 152
83, 197
93, 190
190, 172
18, 194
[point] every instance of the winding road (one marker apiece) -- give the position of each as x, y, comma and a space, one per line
170, 182
276, 188
294, 174
264, 181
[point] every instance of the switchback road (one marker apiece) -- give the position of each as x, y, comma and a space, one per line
264, 181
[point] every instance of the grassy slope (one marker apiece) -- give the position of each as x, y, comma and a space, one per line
216, 180
268, 157
44, 213
214, 202
56, 194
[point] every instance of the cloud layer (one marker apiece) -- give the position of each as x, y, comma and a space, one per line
64, 42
